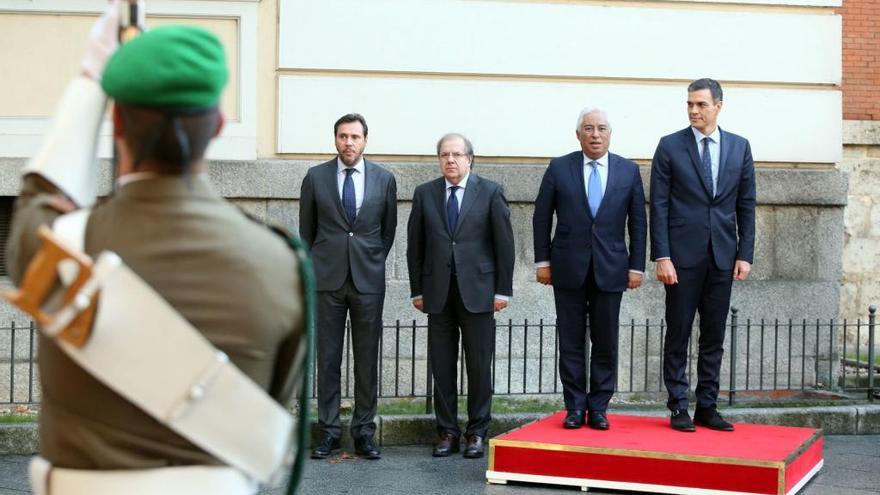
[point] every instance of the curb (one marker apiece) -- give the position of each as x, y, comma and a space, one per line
23, 439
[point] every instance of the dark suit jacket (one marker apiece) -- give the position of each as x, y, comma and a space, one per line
338, 246
684, 215
481, 246
580, 238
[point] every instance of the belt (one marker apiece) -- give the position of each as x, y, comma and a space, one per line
180, 480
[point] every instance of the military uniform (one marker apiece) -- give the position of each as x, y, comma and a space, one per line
233, 280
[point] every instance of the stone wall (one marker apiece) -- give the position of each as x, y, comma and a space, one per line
861, 251
797, 257
796, 273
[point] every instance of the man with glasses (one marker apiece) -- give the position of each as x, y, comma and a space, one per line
460, 255
596, 196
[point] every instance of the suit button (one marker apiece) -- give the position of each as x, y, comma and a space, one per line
351, 234
453, 243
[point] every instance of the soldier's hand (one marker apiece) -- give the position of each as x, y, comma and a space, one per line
500, 304
635, 280
103, 42
666, 272
543, 275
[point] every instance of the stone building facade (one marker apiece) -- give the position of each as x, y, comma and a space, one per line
512, 75
861, 156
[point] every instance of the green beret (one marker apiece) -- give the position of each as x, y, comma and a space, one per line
170, 67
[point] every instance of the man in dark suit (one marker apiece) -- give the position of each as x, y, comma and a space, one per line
702, 238
596, 196
460, 255
347, 216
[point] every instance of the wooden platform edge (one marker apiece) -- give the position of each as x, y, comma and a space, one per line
803, 448
800, 484
643, 454
500, 478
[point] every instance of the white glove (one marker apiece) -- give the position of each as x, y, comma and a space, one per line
103, 41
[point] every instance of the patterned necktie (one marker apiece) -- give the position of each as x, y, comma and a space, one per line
707, 167
348, 200
452, 208
594, 189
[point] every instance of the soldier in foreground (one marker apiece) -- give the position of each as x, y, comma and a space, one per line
198, 329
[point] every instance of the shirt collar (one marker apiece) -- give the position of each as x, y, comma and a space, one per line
462, 184
134, 177
715, 136
359, 166
602, 160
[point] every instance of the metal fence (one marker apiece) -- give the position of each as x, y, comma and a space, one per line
762, 355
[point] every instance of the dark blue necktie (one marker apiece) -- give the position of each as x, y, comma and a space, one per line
452, 209
707, 167
348, 201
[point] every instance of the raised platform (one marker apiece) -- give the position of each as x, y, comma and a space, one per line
645, 454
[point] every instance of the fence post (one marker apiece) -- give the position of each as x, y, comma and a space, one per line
429, 378
731, 396
872, 316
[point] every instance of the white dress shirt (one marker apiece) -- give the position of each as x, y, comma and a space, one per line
714, 152
715, 156
459, 195
357, 177
602, 169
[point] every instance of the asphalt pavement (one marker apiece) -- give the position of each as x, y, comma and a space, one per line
852, 467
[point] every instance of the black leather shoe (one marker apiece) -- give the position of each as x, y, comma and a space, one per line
325, 447
597, 420
711, 418
447, 443
681, 421
475, 447
574, 419
364, 447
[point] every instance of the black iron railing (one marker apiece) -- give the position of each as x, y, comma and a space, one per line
762, 355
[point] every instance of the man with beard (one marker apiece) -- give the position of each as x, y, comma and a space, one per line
347, 216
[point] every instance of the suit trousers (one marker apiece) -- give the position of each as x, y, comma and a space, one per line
477, 332
572, 307
704, 288
366, 329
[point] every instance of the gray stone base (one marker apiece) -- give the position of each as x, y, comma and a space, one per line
23, 439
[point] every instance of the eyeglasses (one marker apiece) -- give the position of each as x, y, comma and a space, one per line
603, 129
455, 156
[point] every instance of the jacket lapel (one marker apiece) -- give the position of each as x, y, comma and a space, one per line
577, 175
722, 162
467, 201
439, 194
370, 186
690, 143
332, 185
609, 182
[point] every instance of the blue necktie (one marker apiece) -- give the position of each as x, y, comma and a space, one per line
594, 189
348, 201
452, 209
707, 167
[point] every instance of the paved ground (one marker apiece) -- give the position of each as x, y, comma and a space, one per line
852, 467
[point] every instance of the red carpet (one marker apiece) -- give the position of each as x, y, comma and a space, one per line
645, 454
